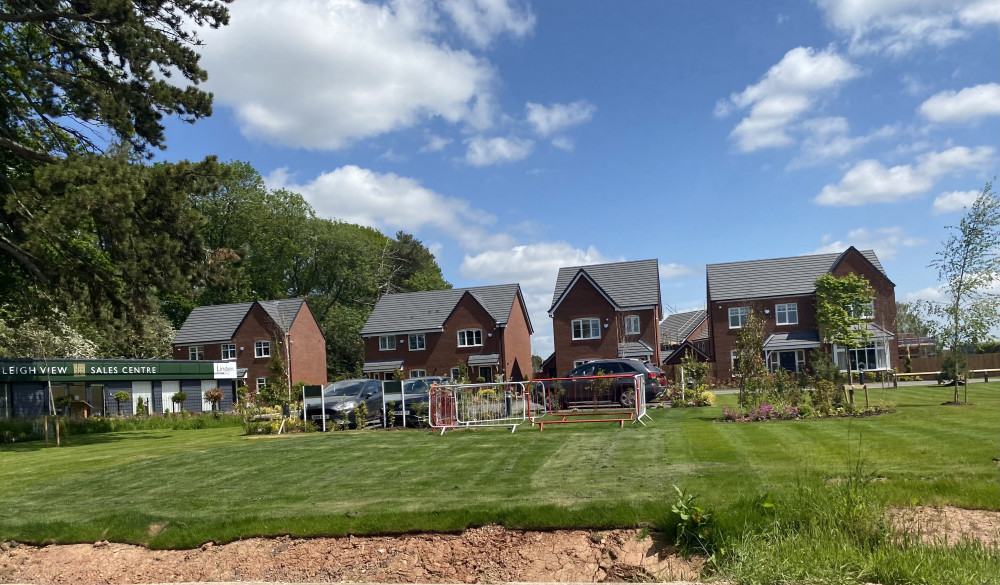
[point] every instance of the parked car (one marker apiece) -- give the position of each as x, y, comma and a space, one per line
618, 390
415, 391
345, 396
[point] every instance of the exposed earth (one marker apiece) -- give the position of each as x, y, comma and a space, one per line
490, 554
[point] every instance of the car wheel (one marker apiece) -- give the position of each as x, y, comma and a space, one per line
627, 397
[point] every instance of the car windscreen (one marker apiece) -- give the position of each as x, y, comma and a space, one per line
344, 388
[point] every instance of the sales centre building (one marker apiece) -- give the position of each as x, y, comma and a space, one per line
31, 387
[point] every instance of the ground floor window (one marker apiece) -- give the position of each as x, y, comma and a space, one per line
793, 360
870, 357
418, 373
5, 405
455, 373
261, 383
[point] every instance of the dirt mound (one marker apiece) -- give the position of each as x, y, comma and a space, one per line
948, 524
483, 555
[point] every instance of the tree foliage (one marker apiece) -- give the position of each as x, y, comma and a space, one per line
81, 72
750, 365
910, 320
968, 265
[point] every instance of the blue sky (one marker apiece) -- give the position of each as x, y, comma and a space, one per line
514, 138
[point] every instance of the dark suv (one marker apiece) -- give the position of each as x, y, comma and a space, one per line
621, 390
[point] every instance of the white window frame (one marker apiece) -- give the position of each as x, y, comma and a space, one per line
418, 373
417, 341
594, 325
464, 337
196, 352
386, 342
741, 314
262, 349
784, 309
261, 383
841, 356
454, 373
578, 363
632, 325
227, 351
732, 362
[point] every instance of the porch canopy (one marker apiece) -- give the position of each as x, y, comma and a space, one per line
635, 349
486, 359
381, 366
792, 340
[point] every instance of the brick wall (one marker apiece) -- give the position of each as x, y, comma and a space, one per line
308, 349
517, 344
725, 338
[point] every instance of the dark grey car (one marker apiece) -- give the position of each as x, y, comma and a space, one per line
344, 397
619, 390
413, 395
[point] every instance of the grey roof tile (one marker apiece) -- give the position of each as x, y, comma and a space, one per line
792, 340
381, 366
774, 277
211, 323
428, 310
676, 328
628, 284
634, 349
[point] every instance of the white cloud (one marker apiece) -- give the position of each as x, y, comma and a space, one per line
870, 182
962, 106
788, 89
885, 241
563, 143
490, 151
930, 293
954, 201
481, 21
829, 138
896, 27
535, 267
434, 143
672, 270
321, 74
383, 201
552, 119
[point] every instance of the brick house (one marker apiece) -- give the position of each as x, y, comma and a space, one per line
429, 333
684, 332
784, 290
606, 311
250, 333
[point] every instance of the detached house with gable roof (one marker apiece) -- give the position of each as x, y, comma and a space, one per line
784, 290
429, 333
250, 333
605, 311
681, 333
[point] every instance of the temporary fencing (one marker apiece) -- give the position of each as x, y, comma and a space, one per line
617, 398
404, 403
505, 404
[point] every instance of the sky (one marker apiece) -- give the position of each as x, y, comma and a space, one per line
516, 137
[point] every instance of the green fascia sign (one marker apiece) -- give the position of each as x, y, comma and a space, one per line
66, 370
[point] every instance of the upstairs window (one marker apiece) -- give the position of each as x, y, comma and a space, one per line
786, 314
196, 352
865, 311
262, 349
386, 342
470, 337
586, 328
228, 351
417, 342
738, 316
632, 325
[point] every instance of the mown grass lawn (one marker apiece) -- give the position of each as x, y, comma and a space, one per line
182, 488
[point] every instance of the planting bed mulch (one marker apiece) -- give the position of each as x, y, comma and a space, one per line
948, 524
489, 554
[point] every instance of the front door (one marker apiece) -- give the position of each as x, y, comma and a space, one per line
786, 361
486, 373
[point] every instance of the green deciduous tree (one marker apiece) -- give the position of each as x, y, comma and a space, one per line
910, 320
750, 365
840, 311
969, 266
